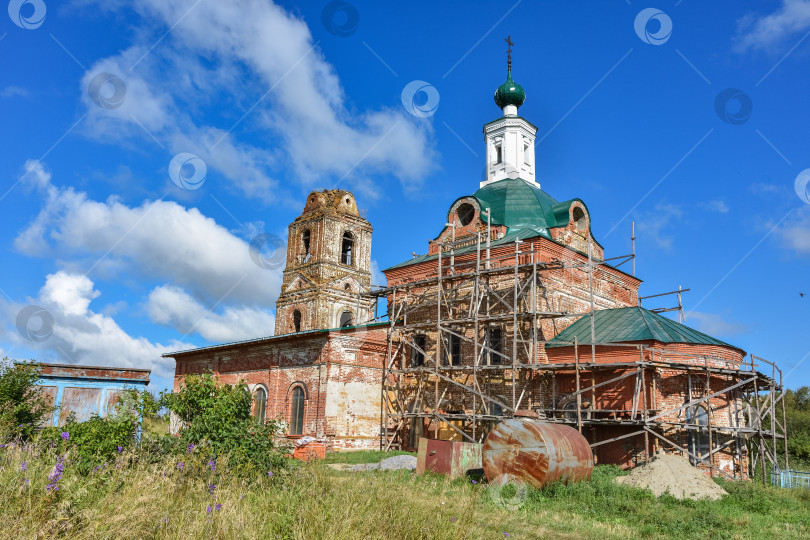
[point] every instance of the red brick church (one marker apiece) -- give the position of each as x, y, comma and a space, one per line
513, 310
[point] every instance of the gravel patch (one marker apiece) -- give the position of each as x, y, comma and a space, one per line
389, 464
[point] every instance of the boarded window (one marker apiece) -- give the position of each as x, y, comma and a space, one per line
346, 248
417, 354
82, 402
259, 405
297, 412
297, 320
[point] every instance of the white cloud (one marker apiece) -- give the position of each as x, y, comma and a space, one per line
652, 224
13, 91
263, 60
716, 325
157, 239
171, 306
795, 232
771, 31
83, 336
717, 205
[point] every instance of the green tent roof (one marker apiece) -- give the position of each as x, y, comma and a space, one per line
631, 324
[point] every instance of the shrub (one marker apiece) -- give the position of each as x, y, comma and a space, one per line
93, 442
218, 418
22, 407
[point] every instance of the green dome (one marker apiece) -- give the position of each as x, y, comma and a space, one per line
509, 93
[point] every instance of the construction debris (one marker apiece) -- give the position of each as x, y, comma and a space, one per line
673, 474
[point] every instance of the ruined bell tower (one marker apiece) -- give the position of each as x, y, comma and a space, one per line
328, 266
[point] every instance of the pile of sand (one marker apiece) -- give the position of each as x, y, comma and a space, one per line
673, 474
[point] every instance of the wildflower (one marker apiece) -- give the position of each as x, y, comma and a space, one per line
56, 475
180, 465
190, 447
211, 488
219, 507
475, 481
506, 535
24, 466
452, 520
120, 449
65, 435
269, 474
208, 509
213, 465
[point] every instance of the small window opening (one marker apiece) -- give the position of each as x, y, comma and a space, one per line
346, 249
297, 412
498, 154
526, 155
417, 354
305, 243
466, 213
348, 287
297, 320
699, 434
259, 405
495, 342
579, 219
346, 319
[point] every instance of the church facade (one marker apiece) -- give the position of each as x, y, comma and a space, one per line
513, 310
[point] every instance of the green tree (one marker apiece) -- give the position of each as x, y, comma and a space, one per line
22, 407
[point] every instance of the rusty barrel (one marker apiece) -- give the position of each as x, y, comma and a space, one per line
537, 453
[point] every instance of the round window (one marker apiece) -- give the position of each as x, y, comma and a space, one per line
466, 213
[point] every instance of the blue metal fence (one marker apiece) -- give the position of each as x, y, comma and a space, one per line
790, 479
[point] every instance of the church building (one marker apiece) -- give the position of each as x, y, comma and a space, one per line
513, 311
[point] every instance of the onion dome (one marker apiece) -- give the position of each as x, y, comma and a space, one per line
509, 93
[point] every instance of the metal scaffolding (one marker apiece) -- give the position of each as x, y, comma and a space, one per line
448, 364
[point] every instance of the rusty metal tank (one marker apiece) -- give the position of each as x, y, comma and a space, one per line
537, 453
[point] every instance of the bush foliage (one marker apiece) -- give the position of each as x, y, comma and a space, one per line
22, 409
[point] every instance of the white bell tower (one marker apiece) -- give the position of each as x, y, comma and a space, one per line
509, 139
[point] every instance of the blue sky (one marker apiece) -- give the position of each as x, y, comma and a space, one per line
275, 100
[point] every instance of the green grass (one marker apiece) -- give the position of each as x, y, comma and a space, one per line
130, 499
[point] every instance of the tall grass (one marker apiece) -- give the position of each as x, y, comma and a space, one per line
130, 498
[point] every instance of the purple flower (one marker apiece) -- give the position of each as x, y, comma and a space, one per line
219, 507
180, 465
475, 481
24, 466
65, 435
212, 464
120, 449
211, 488
56, 475
190, 447
269, 474
208, 509
452, 520
506, 535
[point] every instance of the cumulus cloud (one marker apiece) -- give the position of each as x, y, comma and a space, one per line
716, 325
161, 240
770, 32
172, 306
264, 61
80, 335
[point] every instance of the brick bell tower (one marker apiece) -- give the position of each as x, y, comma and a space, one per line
328, 266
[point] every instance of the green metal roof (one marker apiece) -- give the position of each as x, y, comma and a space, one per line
517, 203
509, 93
631, 324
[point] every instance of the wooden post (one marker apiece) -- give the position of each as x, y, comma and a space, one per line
579, 396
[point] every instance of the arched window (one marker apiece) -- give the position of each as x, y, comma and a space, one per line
305, 244
297, 411
699, 434
297, 320
259, 404
579, 219
346, 248
346, 319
